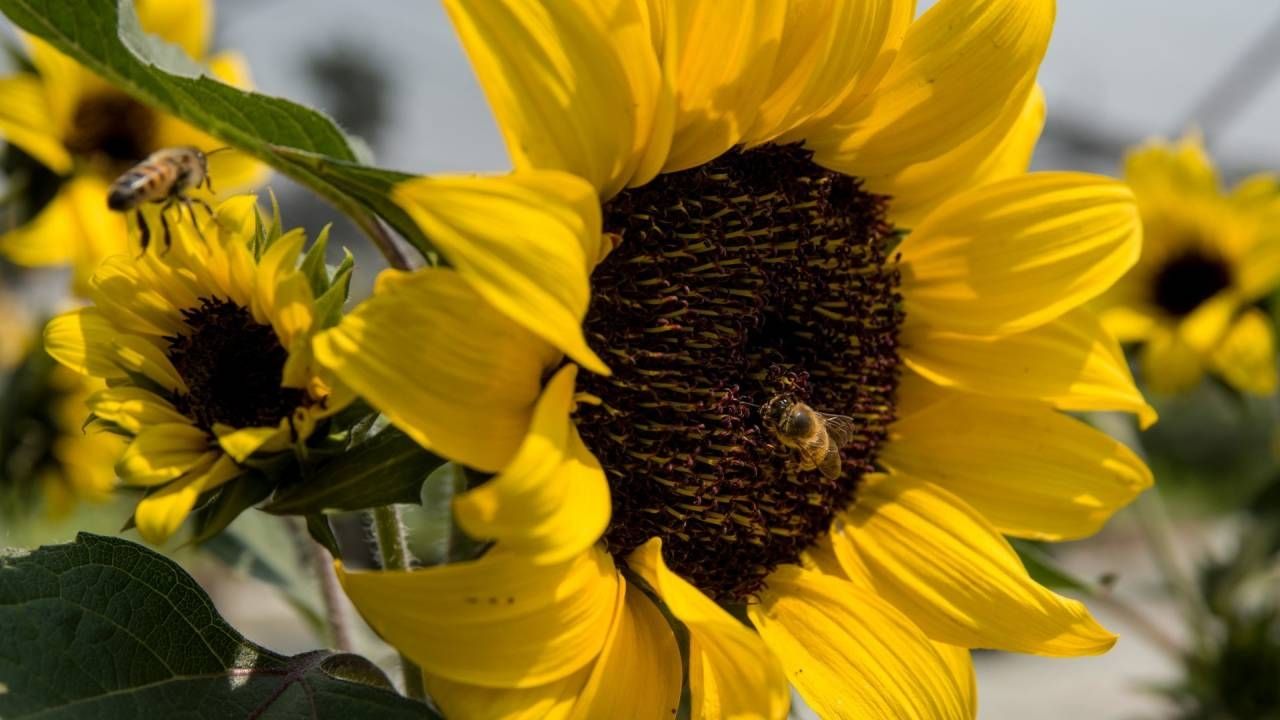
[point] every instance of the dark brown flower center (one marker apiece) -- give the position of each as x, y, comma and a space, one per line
755, 275
112, 126
233, 367
1186, 280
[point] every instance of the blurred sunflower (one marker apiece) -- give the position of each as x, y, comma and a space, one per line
754, 167
206, 349
66, 120
47, 459
1208, 258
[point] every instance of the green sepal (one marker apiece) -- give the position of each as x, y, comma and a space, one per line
388, 468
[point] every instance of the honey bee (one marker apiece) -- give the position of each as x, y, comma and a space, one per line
164, 176
816, 436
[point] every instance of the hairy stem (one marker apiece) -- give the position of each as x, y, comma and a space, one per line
393, 550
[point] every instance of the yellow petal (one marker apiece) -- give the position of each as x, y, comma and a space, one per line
850, 654
572, 84
638, 675
120, 292
1013, 255
525, 242
552, 701
81, 340
499, 621
163, 452
133, 408
243, 442
919, 188
280, 258
186, 23
141, 356
451, 372
1246, 358
1160, 170
552, 501
718, 56
1071, 363
294, 310
65, 81
161, 513
1169, 364
731, 672
940, 562
962, 63
830, 50
1030, 470
26, 122
960, 662
1128, 324
76, 227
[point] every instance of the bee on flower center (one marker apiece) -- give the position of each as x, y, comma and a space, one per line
817, 437
164, 176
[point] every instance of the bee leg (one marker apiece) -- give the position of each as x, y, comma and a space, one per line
144, 232
208, 182
186, 202
168, 233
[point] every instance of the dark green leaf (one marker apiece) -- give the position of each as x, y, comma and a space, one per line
107, 38
104, 628
371, 186
389, 468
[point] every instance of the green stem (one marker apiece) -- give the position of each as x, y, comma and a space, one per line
1158, 534
393, 550
331, 592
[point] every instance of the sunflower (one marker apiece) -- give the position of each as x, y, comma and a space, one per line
49, 459
1209, 257
67, 121
826, 203
205, 349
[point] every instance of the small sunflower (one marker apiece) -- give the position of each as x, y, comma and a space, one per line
48, 460
1208, 258
206, 353
67, 121
825, 201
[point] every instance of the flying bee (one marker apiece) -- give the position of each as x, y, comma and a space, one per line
816, 436
164, 176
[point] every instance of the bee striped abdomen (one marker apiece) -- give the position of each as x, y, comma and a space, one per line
148, 181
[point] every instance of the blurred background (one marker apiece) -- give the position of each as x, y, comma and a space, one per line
392, 73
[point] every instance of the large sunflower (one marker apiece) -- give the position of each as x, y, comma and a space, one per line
1208, 258
755, 167
206, 351
68, 121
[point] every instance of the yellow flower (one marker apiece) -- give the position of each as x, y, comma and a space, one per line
49, 457
206, 350
753, 166
1209, 256
75, 124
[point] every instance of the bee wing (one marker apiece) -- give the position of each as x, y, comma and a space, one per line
840, 428
812, 452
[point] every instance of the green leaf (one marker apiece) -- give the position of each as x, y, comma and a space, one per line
371, 186
388, 468
313, 263
105, 628
107, 38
